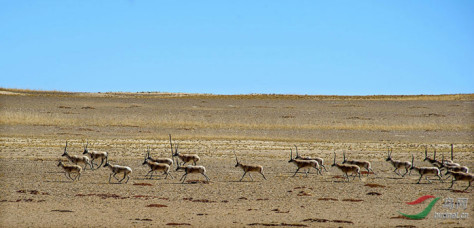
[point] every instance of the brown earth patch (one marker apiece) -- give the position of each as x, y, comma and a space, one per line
374, 185
156, 205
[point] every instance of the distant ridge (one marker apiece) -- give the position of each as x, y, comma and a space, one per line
27, 92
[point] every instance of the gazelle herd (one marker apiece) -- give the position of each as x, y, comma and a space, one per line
350, 168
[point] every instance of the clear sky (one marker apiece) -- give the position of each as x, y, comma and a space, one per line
239, 47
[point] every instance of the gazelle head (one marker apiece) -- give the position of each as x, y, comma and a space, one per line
297, 155
452, 152
412, 162
147, 155
178, 167
176, 153
334, 163
236, 160
85, 148
344, 158
291, 156
389, 153
65, 150
106, 162
426, 155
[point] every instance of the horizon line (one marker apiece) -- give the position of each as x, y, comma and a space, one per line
242, 94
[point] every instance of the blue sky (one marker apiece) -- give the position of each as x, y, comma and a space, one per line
239, 47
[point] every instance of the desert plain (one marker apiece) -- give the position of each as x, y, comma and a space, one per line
260, 129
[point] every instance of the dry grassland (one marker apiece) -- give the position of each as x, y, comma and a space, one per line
261, 129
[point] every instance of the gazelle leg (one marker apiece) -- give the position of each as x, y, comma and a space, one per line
68, 175
406, 171
324, 167
440, 178
428, 179
170, 174
419, 179
150, 172
296, 171
372, 172
263, 175
124, 175
185, 176
243, 176
250, 175
128, 178
468, 186
102, 161
347, 176
395, 171
452, 183
110, 177
207, 178
318, 171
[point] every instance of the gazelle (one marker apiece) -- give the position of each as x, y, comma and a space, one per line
347, 168
319, 160
433, 160
95, 155
452, 155
361, 164
116, 169
154, 166
459, 176
167, 161
71, 169
192, 169
77, 159
461, 169
184, 157
446, 163
452, 166
425, 171
302, 164
249, 168
398, 164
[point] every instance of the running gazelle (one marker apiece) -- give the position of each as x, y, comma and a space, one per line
77, 159
425, 171
319, 160
155, 166
304, 164
362, 164
347, 168
117, 169
71, 169
249, 168
95, 155
398, 164
183, 157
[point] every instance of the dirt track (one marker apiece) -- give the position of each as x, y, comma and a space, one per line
35, 193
